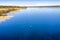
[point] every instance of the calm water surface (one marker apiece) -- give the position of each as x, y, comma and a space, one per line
32, 23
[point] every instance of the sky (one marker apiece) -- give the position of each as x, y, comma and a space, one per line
29, 0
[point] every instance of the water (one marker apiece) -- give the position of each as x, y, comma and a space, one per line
32, 24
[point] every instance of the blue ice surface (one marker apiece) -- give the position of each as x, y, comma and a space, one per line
32, 24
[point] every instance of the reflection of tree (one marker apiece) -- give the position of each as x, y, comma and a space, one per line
3, 18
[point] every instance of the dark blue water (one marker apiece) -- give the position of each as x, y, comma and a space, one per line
32, 24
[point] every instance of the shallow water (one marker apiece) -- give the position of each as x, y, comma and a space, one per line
32, 23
